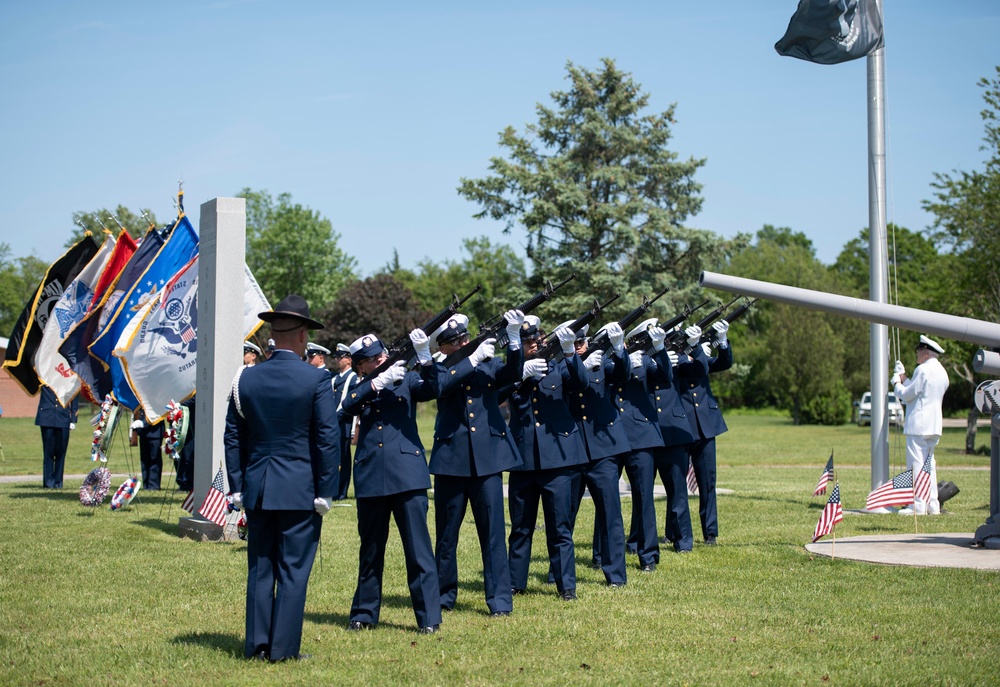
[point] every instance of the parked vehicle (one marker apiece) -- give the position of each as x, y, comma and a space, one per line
863, 410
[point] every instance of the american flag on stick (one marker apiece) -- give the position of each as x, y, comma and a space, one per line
832, 513
922, 487
825, 477
214, 507
692, 481
897, 492
188, 504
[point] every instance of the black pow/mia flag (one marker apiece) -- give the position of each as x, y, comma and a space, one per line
832, 31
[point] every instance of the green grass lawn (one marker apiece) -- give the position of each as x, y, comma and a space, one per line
117, 598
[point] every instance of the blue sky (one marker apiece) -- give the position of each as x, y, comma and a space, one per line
370, 113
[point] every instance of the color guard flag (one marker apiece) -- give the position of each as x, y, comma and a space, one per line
922, 487
825, 477
214, 507
832, 31
27, 334
896, 492
832, 513
692, 481
54, 370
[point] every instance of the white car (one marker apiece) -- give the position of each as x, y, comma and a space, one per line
864, 409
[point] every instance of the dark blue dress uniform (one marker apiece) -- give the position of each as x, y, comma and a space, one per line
672, 460
552, 452
607, 444
282, 448
706, 422
472, 448
150, 453
391, 479
342, 383
54, 421
639, 417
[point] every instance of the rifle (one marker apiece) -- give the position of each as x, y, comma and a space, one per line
601, 340
496, 327
402, 348
642, 342
677, 341
710, 336
551, 347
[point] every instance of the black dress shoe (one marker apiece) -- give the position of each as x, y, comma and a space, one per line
446, 609
710, 540
359, 625
649, 567
568, 595
259, 655
615, 585
499, 614
518, 592
429, 630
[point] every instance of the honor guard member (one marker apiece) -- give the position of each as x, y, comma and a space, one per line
672, 459
150, 439
343, 381
922, 394
639, 417
251, 354
55, 423
472, 449
391, 478
606, 445
316, 355
552, 452
705, 418
282, 447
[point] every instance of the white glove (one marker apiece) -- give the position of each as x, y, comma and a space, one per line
322, 505
515, 318
617, 337
72, 425
594, 360
895, 380
900, 369
657, 337
391, 376
237, 500
721, 327
693, 334
636, 358
673, 358
536, 368
422, 345
566, 338
485, 351
137, 424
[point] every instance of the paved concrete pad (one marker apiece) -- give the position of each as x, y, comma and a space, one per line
920, 550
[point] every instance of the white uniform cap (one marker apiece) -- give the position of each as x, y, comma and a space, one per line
643, 326
930, 343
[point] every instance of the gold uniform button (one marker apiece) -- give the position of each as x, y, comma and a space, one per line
657, 398
538, 424
472, 429
536, 412
584, 418
581, 394
453, 371
470, 401
659, 410
380, 445
695, 405
472, 414
468, 388
380, 428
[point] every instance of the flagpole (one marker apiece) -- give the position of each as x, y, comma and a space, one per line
878, 262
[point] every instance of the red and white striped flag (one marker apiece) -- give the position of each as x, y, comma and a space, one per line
832, 513
922, 487
896, 492
214, 507
692, 481
825, 477
188, 504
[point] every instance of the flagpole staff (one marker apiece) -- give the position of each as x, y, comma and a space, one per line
145, 216
99, 223
120, 225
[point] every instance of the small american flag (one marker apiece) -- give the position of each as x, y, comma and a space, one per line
214, 507
922, 487
188, 334
832, 513
898, 492
188, 504
692, 481
824, 478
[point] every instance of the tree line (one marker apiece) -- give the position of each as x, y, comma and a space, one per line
596, 191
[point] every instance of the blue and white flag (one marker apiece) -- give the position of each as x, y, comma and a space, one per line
159, 348
54, 371
180, 247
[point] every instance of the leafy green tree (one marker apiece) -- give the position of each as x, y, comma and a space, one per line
292, 249
795, 356
19, 277
599, 193
99, 221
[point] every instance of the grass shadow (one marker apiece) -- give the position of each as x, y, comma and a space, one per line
155, 524
37, 492
227, 643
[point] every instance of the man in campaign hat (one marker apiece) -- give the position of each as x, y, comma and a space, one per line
282, 448
922, 395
